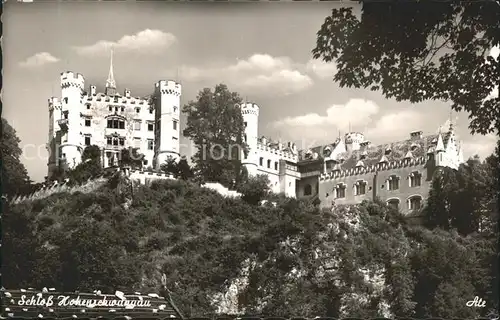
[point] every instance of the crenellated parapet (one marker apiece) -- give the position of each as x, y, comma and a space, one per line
118, 99
249, 108
168, 87
381, 166
54, 104
71, 79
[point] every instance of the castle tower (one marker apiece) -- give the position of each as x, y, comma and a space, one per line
110, 82
167, 99
353, 141
72, 85
439, 152
250, 113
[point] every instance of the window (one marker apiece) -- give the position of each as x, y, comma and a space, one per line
261, 161
393, 203
66, 115
88, 107
65, 100
87, 140
116, 124
415, 203
137, 125
269, 164
123, 109
87, 122
150, 110
116, 108
415, 179
145, 162
245, 124
393, 183
137, 142
307, 190
110, 108
360, 188
151, 126
276, 166
174, 138
150, 144
115, 141
137, 110
174, 125
341, 190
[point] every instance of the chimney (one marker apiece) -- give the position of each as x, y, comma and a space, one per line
127, 93
416, 135
93, 90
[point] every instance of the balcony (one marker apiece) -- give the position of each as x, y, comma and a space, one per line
63, 124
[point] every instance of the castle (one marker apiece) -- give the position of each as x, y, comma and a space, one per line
347, 171
113, 122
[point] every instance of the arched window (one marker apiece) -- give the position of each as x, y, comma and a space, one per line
116, 123
261, 161
394, 203
415, 203
340, 190
360, 187
307, 190
276, 166
415, 179
393, 182
269, 164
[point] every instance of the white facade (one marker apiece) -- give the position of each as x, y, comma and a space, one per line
274, 159
113, 122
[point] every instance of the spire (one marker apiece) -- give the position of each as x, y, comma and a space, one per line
440, 144
110, 83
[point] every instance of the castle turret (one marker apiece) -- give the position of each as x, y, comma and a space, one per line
72, 85
167, 98
353, 141
439, 152
250, 113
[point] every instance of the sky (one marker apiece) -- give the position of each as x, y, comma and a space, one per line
260, 50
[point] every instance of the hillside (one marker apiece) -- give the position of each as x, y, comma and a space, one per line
224, 255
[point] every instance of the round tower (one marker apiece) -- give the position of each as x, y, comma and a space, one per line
353, 141
250, 113
167, 100
72, 86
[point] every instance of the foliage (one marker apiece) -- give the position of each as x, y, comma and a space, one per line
215, 125
297, 260
184, 169
132, 158
465, 199
254, 189
170, 166
90, 167
15, 178
419, 51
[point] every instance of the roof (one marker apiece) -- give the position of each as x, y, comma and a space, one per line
371, 155
52, 304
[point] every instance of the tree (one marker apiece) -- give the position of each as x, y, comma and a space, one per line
215, 125
132, 158
90, 167
170, 167
14, 175
255, 189
184, 169
419, 51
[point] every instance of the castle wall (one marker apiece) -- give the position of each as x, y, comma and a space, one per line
327, 192
404, 192
136, 112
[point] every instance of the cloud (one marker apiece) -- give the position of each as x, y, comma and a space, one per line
480, 145
396, 125
321, 69
146, 41
355, 112
259, 73
38, 59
